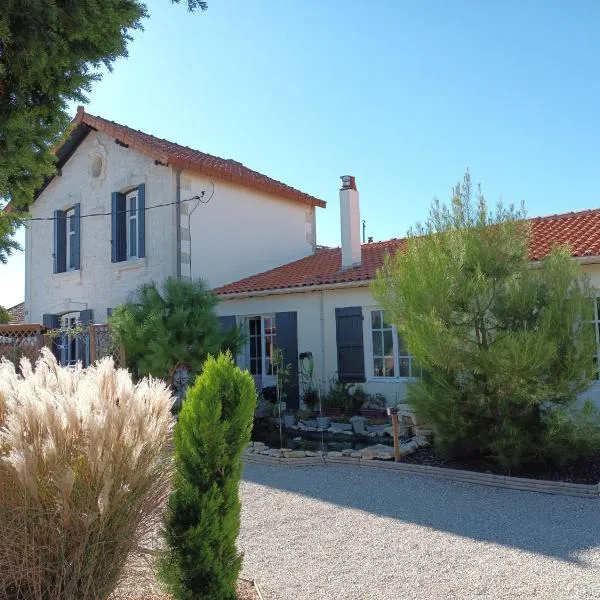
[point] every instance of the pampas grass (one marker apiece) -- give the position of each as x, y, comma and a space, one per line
84, 473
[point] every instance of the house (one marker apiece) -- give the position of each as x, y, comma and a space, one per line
17, 314
125, 208
322, 304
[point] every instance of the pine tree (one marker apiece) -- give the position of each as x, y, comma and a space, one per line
203, 516
502, 345
170, 327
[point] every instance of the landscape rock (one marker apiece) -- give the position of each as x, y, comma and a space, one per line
421, 441
355, 455
259, 445
359, 424
367, 454
334, 454
342, 426
310, 453
274, 453
347, 452
297, 454
323, 422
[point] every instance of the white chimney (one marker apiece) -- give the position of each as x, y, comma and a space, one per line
350, 222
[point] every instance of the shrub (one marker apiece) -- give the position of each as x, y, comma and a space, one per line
83, 472
502, 345
171, 327
203, 517
4, 316
342, 395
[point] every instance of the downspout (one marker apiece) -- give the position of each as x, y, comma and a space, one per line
178, 222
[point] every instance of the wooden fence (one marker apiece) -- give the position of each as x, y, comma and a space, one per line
27, 340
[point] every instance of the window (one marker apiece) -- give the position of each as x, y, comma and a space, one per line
128, 225
132, 234
73, 347
389, 356
261, 342
67, 239
596, 323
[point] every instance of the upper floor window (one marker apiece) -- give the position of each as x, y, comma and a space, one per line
128, 224
67, 239
389, 356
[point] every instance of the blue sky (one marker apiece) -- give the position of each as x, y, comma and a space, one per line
404, 95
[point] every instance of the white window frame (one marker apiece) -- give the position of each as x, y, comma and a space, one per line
72, 348
265, 360
132, 218
69, 214
370, 358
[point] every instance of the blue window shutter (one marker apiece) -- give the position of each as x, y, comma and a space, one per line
86, 317
53, 322
350, 346
118, 227
141, 219
60, 242
75, 239
286, 339
227, 323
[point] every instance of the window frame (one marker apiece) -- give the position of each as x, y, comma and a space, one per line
370, 356
265, 361
72, 348
131, 216
69, 214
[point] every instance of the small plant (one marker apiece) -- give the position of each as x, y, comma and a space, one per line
341, 395
203, 517
83, 474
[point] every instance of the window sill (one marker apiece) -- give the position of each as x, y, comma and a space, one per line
391, 379
67, 276
132, 264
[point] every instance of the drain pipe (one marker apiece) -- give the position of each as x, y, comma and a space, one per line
178, 222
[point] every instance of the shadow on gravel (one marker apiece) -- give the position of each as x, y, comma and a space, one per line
556, 526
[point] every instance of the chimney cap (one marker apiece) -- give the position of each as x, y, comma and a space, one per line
348, 182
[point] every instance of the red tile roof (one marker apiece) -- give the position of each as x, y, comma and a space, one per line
169, 153
579, 230
17, 314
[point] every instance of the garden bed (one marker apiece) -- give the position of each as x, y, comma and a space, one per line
584, 471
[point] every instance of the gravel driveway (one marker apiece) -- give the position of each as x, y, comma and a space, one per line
360, 534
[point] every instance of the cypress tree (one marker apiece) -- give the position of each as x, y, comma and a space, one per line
203, 517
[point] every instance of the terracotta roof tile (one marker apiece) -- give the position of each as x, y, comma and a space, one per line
187, 158
17, 314
579, 230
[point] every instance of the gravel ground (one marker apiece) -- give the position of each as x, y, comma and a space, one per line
359, 534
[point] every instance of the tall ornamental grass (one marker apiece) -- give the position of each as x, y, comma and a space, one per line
84, 472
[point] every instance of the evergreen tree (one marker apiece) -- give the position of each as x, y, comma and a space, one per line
175, 326
4, 316
203, 516
503, 344
51, 51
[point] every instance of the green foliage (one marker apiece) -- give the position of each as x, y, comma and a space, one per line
172, 327
342, 395
51, 51
203, 517
502, 343
4, 316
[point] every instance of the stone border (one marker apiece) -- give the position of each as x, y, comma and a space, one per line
577, 490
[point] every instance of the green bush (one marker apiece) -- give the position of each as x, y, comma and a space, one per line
203, 516
505, 347
83, 476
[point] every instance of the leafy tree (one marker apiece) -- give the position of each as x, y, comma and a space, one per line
504, 344
51, 51
203, 516
170, 327
4, 316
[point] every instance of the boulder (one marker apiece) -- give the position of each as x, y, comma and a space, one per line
323, 422
389, 431
259, 445
359, 424
384, 455
347, 452
310, 453
355, 455
342, 426
421, 441
334, 454
297, 454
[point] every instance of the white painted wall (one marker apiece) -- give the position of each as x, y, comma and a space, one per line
317, 330
99, 284
242, 231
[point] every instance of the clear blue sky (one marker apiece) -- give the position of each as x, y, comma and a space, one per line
404, 95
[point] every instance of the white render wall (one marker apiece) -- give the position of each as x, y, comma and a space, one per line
317, 330
99, 284
241, 231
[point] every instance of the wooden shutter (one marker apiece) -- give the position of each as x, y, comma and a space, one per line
75, 239
53, 322
118, 227
141, 221
227, 323
60, 242
350, 346
286, 338
86, 317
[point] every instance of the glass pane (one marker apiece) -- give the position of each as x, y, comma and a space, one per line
253, 326
401, 346
132, 206
269, 326
388, 342
376, 319
378, 367
377, 345
404, 364
385, 322
389, 366
132, 237
71, 222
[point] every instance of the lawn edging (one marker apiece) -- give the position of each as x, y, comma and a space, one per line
543, 486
